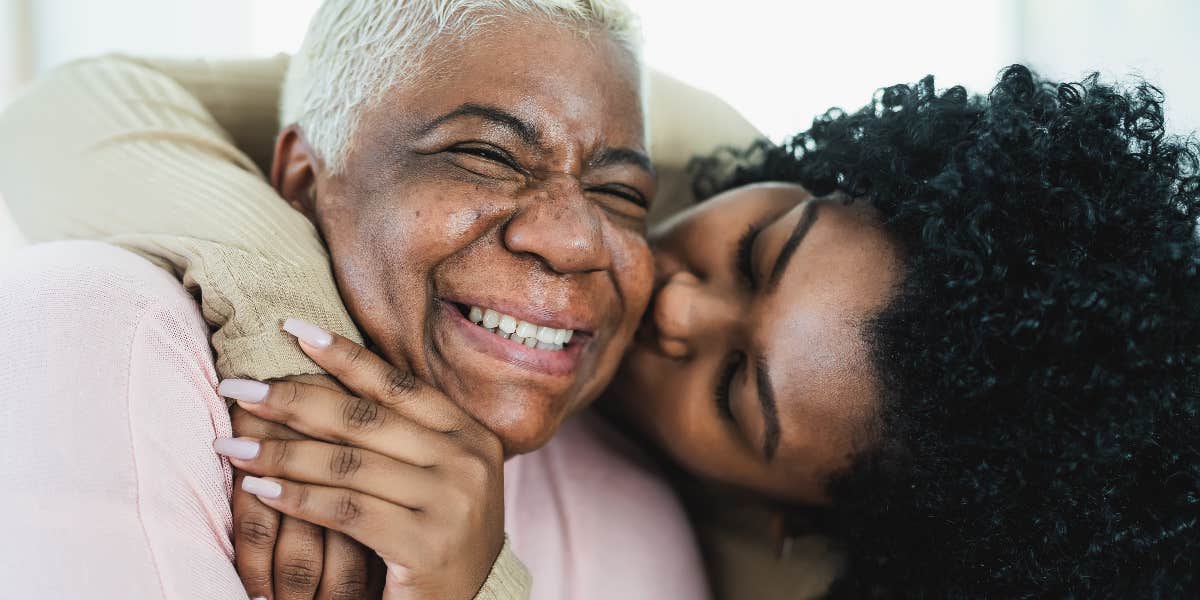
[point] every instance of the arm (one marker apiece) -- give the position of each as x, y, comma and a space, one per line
109, 149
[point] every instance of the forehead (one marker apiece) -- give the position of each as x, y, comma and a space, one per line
810, 328
567, 83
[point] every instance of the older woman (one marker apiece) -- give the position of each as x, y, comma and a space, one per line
394, 120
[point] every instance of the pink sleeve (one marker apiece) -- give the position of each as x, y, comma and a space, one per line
591, 521
108, 483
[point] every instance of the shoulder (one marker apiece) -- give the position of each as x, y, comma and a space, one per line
96, 295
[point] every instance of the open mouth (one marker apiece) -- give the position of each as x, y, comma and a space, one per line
532, 335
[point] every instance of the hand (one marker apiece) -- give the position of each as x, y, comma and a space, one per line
401, 469
284, 558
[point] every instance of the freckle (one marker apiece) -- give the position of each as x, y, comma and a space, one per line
418, 214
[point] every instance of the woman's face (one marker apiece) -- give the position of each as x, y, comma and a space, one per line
750, 368
511, 177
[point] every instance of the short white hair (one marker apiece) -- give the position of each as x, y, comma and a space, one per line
355, 50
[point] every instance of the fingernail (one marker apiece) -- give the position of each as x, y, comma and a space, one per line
308, 333
261, 487
236, 448
245, 390
259, 598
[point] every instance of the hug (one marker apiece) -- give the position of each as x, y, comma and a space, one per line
470, 316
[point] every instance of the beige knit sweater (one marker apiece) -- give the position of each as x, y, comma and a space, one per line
165, 158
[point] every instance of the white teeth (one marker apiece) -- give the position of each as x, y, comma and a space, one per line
521, 332
525, 329
491, 318
508, 324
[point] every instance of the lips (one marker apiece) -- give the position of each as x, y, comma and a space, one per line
557, 362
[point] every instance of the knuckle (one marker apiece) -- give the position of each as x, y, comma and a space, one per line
351, 585
345, 462
347, 510
281, 455
399, 382
356, 355
289, 396
361, 413
254, 581
257, 532
299, 574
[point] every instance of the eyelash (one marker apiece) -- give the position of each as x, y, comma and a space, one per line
721, 393
504, 159
488, 154
745, 258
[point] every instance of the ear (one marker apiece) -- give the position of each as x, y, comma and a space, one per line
294, 171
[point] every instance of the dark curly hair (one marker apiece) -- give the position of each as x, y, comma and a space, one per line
1039, 428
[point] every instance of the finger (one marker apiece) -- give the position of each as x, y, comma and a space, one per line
251, 425
299, 559
255, 528
346, 573
339, 418
390, 530
321, 463
369, 376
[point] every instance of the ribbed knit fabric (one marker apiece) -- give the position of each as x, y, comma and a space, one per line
109, 149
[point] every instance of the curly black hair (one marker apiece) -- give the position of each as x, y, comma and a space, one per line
1039, 428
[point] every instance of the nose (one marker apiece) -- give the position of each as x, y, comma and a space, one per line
690, 315
557, 224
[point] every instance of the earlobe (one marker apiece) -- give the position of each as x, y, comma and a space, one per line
294, 170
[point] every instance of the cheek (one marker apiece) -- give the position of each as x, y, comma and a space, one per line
634, 270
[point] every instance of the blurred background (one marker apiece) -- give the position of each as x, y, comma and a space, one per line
779, 62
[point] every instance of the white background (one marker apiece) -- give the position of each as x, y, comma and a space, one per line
779, 62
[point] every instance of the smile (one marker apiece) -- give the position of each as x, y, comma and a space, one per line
521, 332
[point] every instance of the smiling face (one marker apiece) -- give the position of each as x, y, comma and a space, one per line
512, 178
751, 369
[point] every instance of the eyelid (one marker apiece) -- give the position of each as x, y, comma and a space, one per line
625, 192
723, 392
745, 254
487, 152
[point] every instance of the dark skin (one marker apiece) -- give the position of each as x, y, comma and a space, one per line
513, 176
754, 360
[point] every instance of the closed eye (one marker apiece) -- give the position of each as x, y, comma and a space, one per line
722, 393
745, 254
625, 193
487, 153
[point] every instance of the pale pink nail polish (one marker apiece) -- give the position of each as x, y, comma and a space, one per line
245, 390
308, 333
261, 487
236, 448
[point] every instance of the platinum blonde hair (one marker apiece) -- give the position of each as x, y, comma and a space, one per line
355, 50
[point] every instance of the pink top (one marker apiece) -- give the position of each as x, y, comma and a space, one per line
110, 487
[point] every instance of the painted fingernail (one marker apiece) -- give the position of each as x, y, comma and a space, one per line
259, 598
308, 333
236, 448
261, 487
245, 390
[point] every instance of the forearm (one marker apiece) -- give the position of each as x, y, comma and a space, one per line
108, 149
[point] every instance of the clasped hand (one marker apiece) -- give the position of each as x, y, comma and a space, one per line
392, 463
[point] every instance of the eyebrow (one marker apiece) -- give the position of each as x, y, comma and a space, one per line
526, 131
807, 218
770, 410
628, 156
